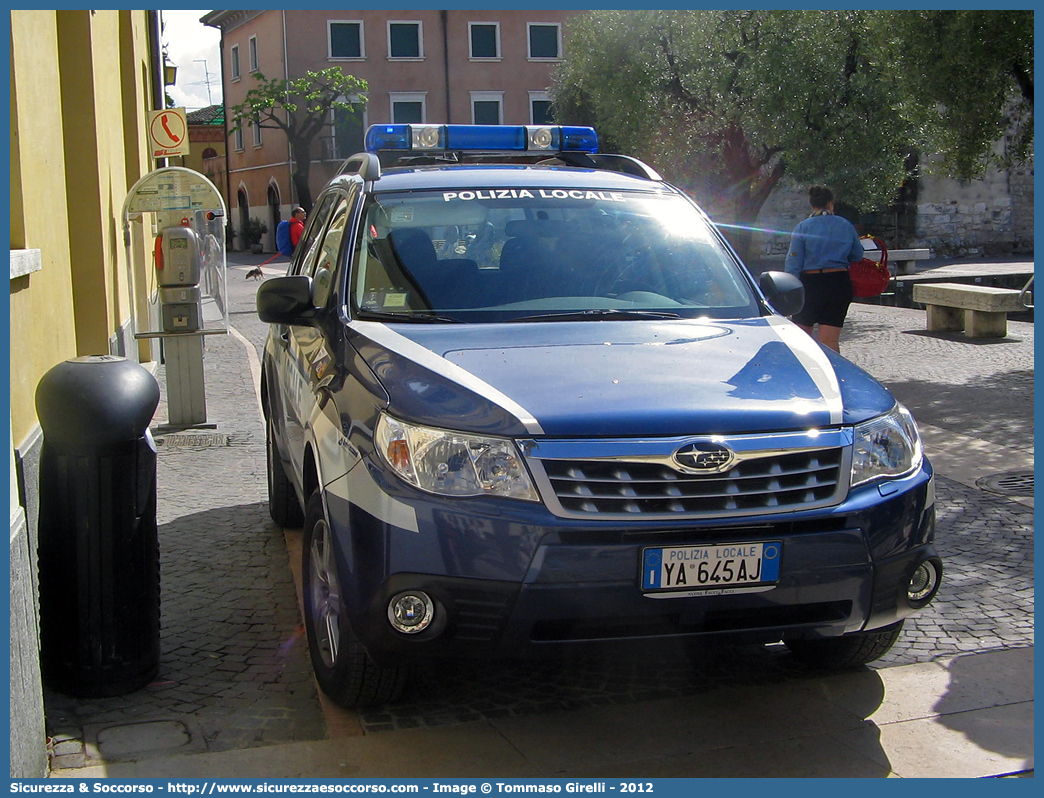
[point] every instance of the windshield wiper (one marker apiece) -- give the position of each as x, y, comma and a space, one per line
602, 314
426, 318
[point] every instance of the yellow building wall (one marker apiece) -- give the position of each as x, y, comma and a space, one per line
73, 159
42, 328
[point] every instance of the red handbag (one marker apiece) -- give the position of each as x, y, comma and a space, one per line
870, 277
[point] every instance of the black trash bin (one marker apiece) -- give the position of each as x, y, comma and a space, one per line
99, 549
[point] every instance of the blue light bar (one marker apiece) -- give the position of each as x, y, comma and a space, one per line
481, 138
486, 137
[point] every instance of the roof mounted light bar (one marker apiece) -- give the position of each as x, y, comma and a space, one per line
481, 138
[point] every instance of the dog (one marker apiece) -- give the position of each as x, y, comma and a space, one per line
255, 274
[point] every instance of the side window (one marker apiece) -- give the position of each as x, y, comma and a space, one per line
327, 257
308, 244
326, 264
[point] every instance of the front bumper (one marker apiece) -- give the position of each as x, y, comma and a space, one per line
509, 579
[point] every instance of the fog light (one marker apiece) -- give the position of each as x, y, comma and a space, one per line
923, 583
411, 612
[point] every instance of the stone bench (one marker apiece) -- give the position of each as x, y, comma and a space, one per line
901, 259
981, 311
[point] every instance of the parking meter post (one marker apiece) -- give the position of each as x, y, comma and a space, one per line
99, 549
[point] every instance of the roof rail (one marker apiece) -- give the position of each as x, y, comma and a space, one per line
365, 164
609, 162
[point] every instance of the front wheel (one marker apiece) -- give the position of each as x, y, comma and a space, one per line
342, 667
848, 651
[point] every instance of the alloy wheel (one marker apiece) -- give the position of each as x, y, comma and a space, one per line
327, 605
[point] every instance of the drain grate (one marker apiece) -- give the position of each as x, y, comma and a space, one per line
1014, 483
187, 441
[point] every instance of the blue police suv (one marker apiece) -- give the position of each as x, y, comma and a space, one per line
522, 395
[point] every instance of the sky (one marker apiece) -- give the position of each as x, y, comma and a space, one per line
189, 43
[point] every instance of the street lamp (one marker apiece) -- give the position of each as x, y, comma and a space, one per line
170, 72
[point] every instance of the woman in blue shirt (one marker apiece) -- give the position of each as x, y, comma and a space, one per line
821, 247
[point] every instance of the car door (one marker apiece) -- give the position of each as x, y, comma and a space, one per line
289, 374
306, 349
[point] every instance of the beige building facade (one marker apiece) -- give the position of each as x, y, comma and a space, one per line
81, 85
464, 67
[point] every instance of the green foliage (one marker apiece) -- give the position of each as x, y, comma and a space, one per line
727, 102
967, 80
300, 107
253, 230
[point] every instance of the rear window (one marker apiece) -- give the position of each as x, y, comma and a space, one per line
514, 254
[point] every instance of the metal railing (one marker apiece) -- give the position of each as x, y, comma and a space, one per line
1026, 296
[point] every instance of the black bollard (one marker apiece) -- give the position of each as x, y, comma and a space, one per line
99, 548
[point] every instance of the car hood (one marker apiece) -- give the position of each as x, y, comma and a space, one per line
616, 378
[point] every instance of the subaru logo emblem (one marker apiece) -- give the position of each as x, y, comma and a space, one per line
704, 458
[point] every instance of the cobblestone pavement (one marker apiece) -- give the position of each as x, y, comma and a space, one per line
982, 388
234, 662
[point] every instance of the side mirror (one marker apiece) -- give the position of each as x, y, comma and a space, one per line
286, 300
783, 291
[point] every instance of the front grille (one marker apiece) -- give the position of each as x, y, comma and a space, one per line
778, 481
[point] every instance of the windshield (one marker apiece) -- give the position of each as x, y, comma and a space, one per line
541, 254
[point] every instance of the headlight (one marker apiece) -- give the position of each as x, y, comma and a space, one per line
453, 463
887, 446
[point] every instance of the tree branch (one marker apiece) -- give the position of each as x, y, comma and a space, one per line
674, 85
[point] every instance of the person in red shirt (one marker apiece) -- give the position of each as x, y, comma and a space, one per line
297, 220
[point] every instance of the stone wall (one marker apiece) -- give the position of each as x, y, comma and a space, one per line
1021, 184
991, 216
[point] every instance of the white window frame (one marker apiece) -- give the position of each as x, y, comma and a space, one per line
238, 144
408, 97
529, 41
329, 40
471, 55
537, 96
420, 40
485, 97
233, 63
257, 133
252, 53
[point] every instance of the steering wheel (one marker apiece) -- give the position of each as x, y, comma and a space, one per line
618, 281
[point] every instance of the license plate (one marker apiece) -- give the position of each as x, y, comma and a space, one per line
708, 567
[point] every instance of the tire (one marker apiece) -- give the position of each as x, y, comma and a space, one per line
342, 667
848, 651
283, 506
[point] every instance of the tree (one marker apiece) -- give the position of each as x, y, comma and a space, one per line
300, 107
967, 80
728, 102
